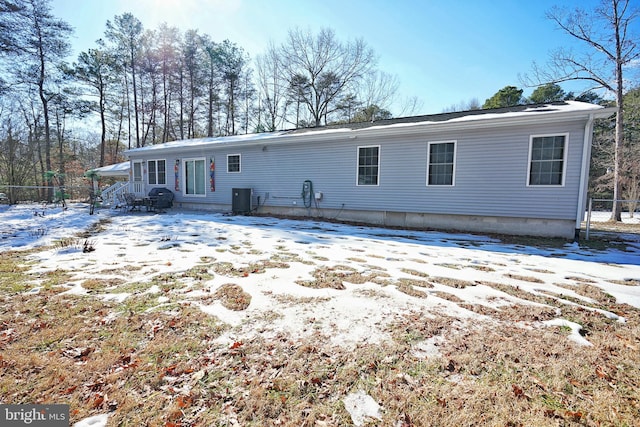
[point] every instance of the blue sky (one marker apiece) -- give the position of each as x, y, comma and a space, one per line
444, 52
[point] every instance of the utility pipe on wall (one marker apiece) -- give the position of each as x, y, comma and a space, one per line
584, 175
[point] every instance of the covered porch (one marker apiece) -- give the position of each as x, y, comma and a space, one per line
113, 194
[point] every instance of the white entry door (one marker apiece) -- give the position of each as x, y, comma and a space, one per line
138, 179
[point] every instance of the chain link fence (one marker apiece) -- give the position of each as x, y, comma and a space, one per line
599, 210
40, 194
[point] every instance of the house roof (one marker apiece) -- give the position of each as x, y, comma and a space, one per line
558, 106
118, 169
508, 116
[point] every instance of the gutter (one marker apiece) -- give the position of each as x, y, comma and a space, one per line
584, 175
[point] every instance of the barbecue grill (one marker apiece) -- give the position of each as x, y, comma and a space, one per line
161, 198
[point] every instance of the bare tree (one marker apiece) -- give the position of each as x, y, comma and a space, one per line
126, 32
472, 104
411, 106
38, 45
96, 68
232, 63
631, 158
631, 181
248, 95
378, 88
607, 30
213, 79
16, 154
192, 60
168, 45
272, 87
319, 68
150, 80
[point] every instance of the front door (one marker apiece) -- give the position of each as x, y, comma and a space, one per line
138, 180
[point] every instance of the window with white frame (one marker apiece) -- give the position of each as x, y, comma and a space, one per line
368, 165
233, 163
157, 172
441, 163
195, 177
547, 154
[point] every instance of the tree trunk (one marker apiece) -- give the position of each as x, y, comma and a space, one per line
210, 102
39, 174
141, 114
616, 211
126, 86
165, 102
135, 95
60, 134
103, 128
181, 100
119, 133
232, 107
47, 133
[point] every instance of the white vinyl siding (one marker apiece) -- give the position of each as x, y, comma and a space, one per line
157, 172
441, 163
368, 165
233, 163
547, 160
490, 173
195, 177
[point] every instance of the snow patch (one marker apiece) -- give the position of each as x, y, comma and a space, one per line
361, 406
115, 297
575, 330
428, 348
95, 421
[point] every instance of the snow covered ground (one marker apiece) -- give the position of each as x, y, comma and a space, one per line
602, 216
180, 240
281, 264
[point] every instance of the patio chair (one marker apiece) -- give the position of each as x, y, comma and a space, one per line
132, 202
121, 202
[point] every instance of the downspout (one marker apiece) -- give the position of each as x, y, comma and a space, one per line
584, 175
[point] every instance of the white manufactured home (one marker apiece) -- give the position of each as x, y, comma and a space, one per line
519, 170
